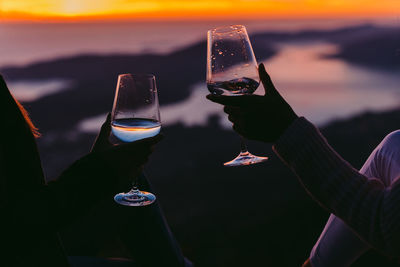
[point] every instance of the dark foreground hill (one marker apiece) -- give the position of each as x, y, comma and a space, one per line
247, 216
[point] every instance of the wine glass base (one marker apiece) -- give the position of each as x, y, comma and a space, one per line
245, 158
135, 198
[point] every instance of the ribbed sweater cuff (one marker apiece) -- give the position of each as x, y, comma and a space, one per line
293, 139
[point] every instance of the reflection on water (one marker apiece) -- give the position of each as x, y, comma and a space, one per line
318, 88
28, 91
195, 110
92, 124
323, 89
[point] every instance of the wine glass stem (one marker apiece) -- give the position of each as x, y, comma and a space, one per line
135, 183
243, 146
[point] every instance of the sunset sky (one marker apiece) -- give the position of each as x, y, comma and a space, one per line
123, 9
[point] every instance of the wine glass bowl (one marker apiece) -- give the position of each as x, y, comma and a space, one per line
135, 112
231, 64
135, 116
232, 71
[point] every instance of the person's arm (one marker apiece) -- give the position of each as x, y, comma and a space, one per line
25, 199
369, 208
364, 204
80, 187
107, 170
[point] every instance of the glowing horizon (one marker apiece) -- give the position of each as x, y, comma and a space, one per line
70, 10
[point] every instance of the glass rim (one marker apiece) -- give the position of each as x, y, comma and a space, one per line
227, 28
137, 75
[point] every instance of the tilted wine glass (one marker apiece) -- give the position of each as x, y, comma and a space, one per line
135, 116
232, 71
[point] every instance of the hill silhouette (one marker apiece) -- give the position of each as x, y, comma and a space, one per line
93, 77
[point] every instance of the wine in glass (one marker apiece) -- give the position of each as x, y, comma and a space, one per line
135, 116
232, 71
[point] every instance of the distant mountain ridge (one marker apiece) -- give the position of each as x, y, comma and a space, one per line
384, 42
365, 45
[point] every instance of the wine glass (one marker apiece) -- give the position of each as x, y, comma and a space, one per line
135, 116
232, 71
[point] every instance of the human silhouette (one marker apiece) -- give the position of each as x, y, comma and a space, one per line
33, 212
364, 203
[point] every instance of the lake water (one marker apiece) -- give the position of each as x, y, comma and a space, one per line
319, 88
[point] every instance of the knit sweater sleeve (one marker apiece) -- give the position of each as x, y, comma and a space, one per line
369, 208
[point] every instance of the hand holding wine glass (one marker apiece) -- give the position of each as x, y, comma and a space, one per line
258, 117
127, 159
232, 72
135, 116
